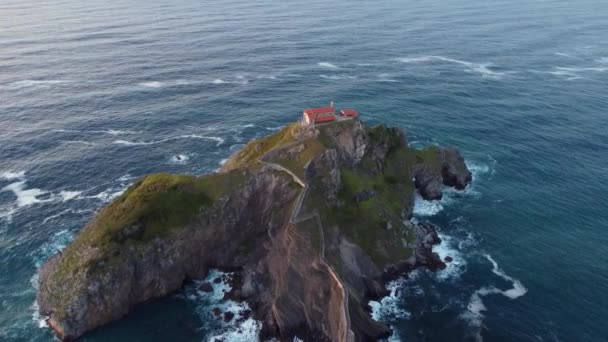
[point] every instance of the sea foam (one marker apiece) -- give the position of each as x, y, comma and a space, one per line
482, 68
476, 307
236, 330
450, 247
26, 197
9, 175
219, 140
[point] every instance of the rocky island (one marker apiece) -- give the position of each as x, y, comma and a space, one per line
312, 220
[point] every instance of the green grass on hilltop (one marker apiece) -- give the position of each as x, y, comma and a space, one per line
152, 207
312, 148
256, 148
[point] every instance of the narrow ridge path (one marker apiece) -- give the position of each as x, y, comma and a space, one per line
350, 336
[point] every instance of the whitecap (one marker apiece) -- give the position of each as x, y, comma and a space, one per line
338, 77
219, 81
26, 197
117, 132
276, 128
328, 65
67, 195
37, 83
223, 161
107, 195
563, 54
481, 68
152, 84
126, 178
415, 59
9, 175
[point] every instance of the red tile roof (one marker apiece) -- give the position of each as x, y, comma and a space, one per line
315, 111
324, 118
349, 112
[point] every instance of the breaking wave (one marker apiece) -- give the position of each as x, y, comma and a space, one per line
8, 175
485, 69
424, 208
449, 246
241, 328
390, 307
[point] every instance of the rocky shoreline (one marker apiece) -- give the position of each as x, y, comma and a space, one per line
312, 221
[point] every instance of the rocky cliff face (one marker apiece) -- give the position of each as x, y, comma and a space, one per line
313, 220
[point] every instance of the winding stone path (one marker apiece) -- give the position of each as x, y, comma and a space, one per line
350, 336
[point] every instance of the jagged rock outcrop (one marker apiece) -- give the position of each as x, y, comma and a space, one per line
448, 169
307, 259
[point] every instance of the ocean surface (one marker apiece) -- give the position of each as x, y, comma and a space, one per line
94, 94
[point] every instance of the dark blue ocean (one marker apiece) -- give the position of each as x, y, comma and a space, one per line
94, 94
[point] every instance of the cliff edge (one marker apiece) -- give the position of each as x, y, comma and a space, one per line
313, 220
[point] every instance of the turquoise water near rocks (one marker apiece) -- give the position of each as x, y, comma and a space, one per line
95, 94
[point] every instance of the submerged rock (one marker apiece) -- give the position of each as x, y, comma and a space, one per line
206, 287
228, 316
310, 220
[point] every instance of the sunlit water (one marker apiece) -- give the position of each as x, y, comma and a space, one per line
94, 94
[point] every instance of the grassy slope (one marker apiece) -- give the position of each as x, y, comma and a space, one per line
256, 148
152, 207
366, 222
